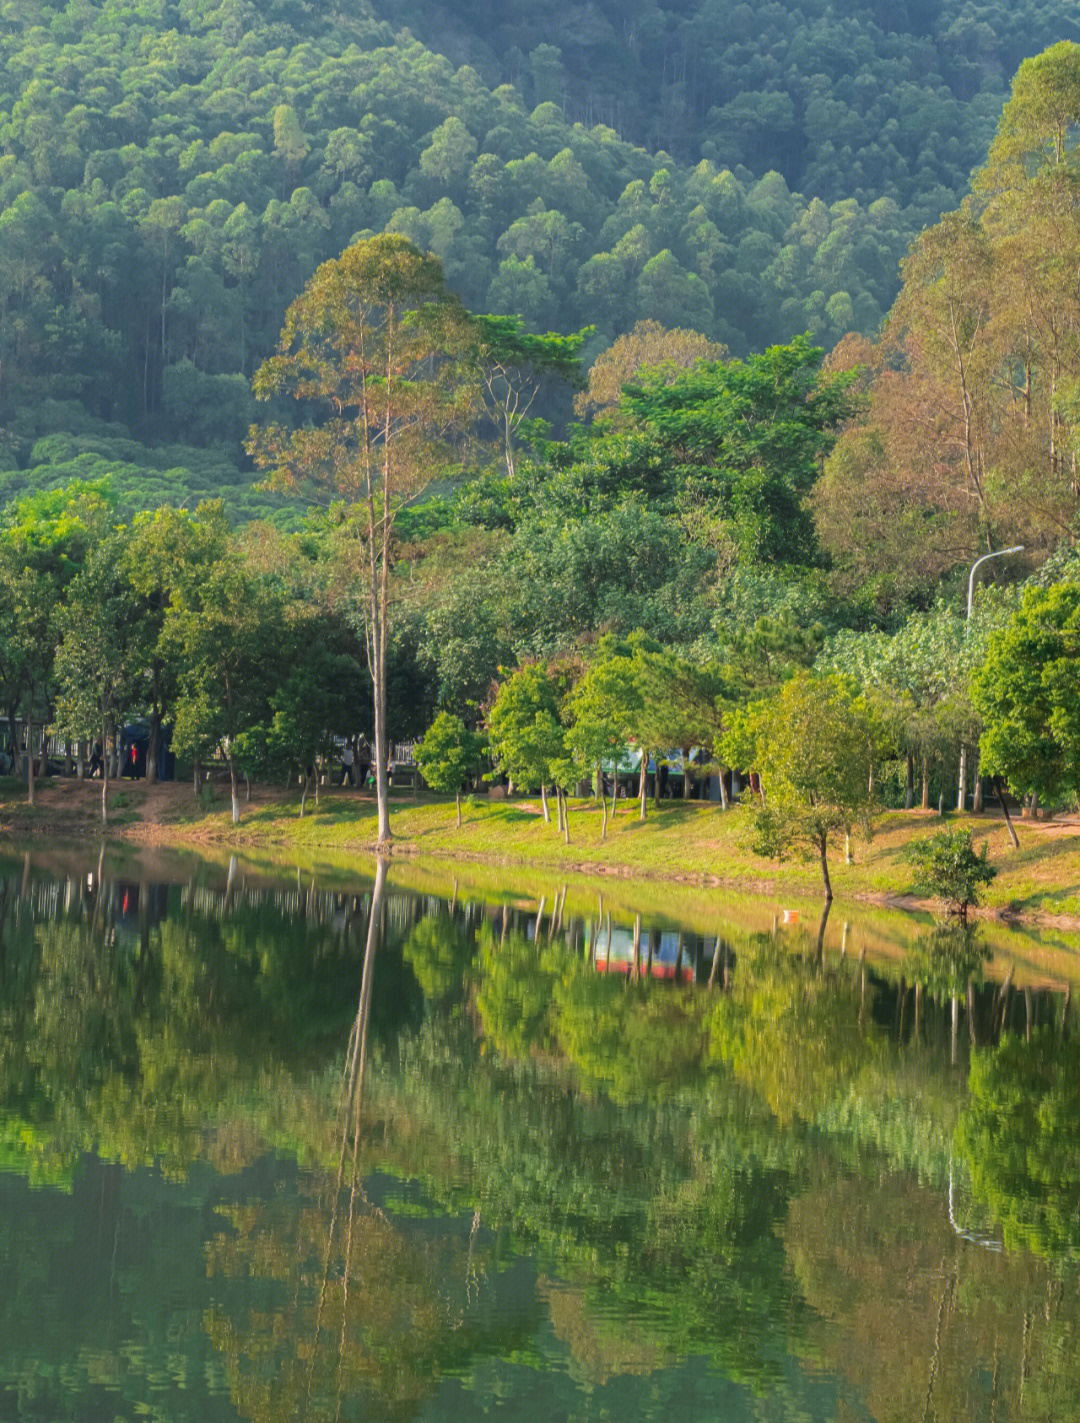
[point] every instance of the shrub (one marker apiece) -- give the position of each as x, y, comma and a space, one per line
947, 867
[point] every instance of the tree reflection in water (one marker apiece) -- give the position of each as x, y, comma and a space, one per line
533, 1137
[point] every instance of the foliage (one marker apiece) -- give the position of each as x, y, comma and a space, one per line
1016, 1139
1028, 691
811, 743
448, 754
174, 175
947, 867
526, 735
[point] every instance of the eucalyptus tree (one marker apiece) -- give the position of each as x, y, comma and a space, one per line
513, 365
368, 351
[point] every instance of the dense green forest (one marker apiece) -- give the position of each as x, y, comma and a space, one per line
738, 507
172, 173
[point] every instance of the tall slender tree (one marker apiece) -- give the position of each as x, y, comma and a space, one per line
368, 349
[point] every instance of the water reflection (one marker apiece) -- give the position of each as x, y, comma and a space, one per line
364, 1151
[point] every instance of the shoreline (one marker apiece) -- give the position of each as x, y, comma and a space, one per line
1037, 886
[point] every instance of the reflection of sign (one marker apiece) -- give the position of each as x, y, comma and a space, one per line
667, 959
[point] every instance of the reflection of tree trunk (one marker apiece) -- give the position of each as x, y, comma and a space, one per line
637, 945
972, 1031
1028, 1015
955, 1026
821, 927
349, 1110
935, 1355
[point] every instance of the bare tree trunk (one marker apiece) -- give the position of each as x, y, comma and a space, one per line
382, 779
999, 786
644, 787
30, 758
926, 783
234, 791
457, 800
909, 787
303, 793
104, 773
825, 868
603, 802
544, 804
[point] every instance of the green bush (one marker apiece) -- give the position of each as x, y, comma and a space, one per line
947, 867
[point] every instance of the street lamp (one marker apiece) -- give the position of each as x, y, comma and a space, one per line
999, 553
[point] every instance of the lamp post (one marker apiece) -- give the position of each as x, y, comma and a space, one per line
999, 553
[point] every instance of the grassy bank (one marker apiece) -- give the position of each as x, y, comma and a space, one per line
694, 843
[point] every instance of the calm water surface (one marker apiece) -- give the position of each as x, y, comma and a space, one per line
283, 1145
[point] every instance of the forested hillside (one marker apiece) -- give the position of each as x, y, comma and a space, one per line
857, 99
173, 171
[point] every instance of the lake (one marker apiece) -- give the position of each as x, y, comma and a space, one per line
441, 1143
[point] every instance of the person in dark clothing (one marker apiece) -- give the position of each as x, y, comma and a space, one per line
97, 762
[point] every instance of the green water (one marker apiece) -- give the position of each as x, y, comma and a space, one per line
284, 1145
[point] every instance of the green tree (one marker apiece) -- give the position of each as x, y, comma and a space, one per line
602, 709
99, 652
224, 634
448, 753
526, 735
947, 867
810, 744
1028, 693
